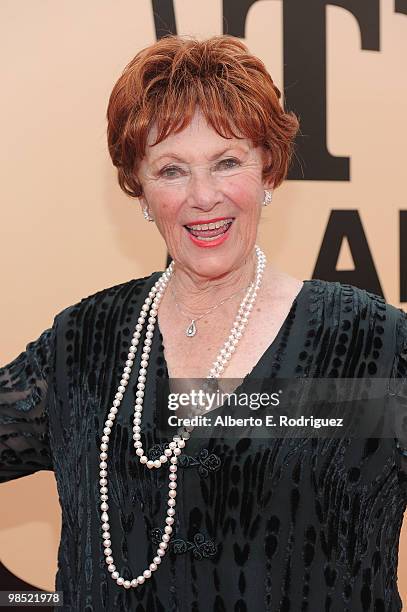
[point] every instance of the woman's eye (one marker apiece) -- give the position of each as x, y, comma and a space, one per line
230, 162
169, 172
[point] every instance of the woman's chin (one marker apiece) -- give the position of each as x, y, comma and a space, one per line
209, 261
211, 264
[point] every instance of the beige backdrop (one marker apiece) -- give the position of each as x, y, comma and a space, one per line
67, 230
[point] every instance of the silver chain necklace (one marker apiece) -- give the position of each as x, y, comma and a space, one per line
150, 309
191, 330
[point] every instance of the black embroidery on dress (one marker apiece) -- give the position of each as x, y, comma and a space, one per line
156, 451
200, 546
206, 462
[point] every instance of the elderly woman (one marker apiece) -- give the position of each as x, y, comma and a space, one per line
198, 135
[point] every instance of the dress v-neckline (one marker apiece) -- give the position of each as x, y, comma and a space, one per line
269, 350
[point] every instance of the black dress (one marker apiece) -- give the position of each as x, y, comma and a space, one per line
270, 525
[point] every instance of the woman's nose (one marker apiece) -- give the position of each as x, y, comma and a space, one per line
204, 191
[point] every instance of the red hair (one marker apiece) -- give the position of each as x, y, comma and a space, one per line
163, 84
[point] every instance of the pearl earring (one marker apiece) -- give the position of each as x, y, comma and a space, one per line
268, 196
146, 214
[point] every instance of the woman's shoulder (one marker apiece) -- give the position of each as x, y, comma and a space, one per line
362, 322
117, 300
332, 301
353, 300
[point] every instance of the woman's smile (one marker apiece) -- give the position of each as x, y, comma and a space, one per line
211, 233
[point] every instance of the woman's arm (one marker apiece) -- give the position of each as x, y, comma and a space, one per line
25, 384
398, 385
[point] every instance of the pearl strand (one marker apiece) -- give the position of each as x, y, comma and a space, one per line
171, 454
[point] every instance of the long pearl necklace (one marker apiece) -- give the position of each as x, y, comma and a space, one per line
171, 454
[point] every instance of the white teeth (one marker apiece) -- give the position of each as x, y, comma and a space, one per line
210, 238
207, 238
205, 226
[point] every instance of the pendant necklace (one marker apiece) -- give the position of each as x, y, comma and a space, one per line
192, 329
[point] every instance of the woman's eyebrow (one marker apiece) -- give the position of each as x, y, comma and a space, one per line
211, 158
236, 147
169, 155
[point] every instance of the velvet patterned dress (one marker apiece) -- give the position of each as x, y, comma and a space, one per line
278, 525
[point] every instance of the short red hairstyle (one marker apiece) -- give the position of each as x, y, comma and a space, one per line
165, 81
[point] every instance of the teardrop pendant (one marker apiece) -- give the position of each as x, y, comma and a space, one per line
191, 329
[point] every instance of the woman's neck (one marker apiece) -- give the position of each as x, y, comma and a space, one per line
196, 294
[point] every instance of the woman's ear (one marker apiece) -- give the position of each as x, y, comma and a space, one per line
267, 161
141, 198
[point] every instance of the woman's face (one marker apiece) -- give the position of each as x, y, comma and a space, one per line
197, 177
